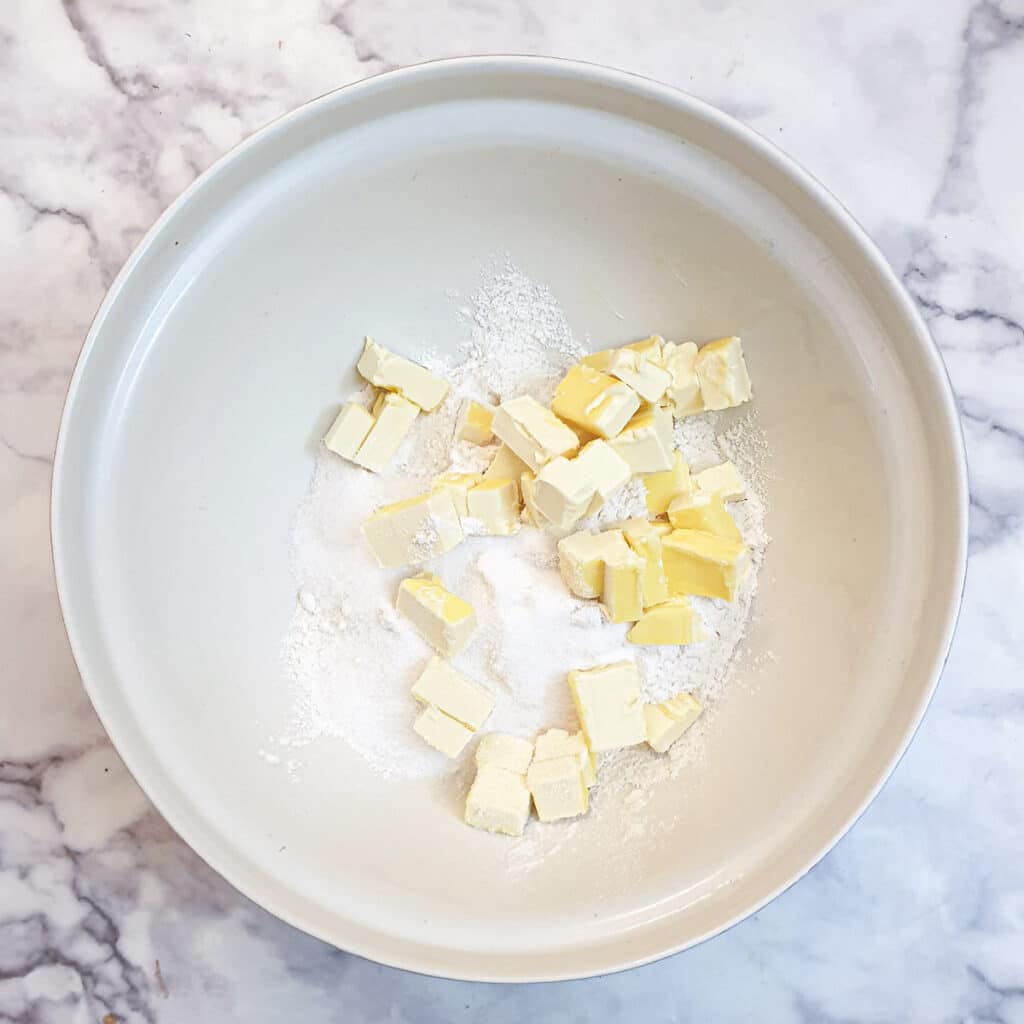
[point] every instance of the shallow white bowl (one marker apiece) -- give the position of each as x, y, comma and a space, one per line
194, 415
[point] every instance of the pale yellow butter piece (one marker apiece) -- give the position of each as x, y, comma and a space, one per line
557, 788
559, 743
415, 530
534, 433
498, 801
662, 487
457, 485
444, 620
562, 492
668, 624
701, 563
604, 468
393, 415
723, 479
582, 557
667, 721
475, 423
608, 702
527, 482
683, 393
493, 508
622, 593
349, 430
645, 377
442, 731
645, 539
444, 686
651, 348
722, 372
705, 512
505, 465
594, 401
500, 750
646, 442
396, 373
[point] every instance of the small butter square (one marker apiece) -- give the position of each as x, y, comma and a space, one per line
557, 788
647, 379
457, 485
393, 416
475, 423
498, 801
667, 721
349, 430
559, 743
582, 557
594, 401
645, 539
669, 624
505, 465
662, 487
458, 696
608, 702
722, 372
500, 750
723, 479
701, 563
705, 512
395, 373
534, 433
604, 469
493, 508
445, 621
442, 731
412, 531
623, 590
562, 492
647, 441
683, 394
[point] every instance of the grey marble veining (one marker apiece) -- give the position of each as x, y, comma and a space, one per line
911, 113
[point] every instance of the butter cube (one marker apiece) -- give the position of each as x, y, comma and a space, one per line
604, 468
500, 750
670, 623
493, 508
662, 487
646, 442
558, 789
647, 379
559, 743
667, 721
623, 590
594, 401
458, 696
396, 373
412, 531
458, 486
475, 423
582, 557
349, 430
505, 465
527, 483
683, 393
608, 702
393, 416
701, 563
498, 801
445, 621
722, 373
723, 479
534, 433
562, 492
645, 539
651, 348
705, 512
441, 731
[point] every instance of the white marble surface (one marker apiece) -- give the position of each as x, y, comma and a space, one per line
910, 111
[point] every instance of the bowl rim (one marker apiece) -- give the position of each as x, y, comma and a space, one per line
643, 89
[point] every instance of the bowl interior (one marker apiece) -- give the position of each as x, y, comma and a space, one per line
193, 423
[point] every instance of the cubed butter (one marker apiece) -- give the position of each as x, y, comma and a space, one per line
458, 696
557, 788
651, 348
668, 624
623, 590
645, 539
498, 801
534, 433
608, 702
701, 563
705, 512
562, 492
582, 557
667, 721
442, 731
527, 483
500, 750
396, 373
559, 743
683, 393
646, 378
475, 423
493, 508
723, 479
602, 465
662, 487
594, 401
349, 430
458, 486
444, 620
393, 416
646, 442
722, 372
412, 531
505, 465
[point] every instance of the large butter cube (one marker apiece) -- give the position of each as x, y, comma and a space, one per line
458, 486
442, 731
493, 508
559, 743
647, 379
645, 539
608, 702
662, 487
349, 430
683, 393
557, 788
602, 465
445, 621
505, 465
594, 401
723, 479
475, 423
582, 557
646, 442
534, 433
667, 721
705, 512
563, 492
668, 624
396, 373
622, 593
393, 416
498, 801
500, 750
458, 696
722, 373
701, 563
412, 531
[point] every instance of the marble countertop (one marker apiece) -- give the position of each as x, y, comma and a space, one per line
911, 116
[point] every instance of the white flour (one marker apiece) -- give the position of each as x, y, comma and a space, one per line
531, 629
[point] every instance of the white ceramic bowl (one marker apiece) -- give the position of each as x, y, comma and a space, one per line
192, 422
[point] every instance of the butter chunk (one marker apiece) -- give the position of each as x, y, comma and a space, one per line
603, 467
445, 621
668, 624
651, 348
500, 750
475, 423
559, 743
412, 531
661, 488
647, 379
705, 512
441, 731
722, 372
645, 539
527, 484
505, 465
667, 721
458, 696
349, 430
623, 589
594, 401
701, 563
647, 441
557, 788
392, 372
493, 508
562, 492
608, 702
723, 479
534, 433
393, 416
582, 557
498, 801
458, 486
683, 393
